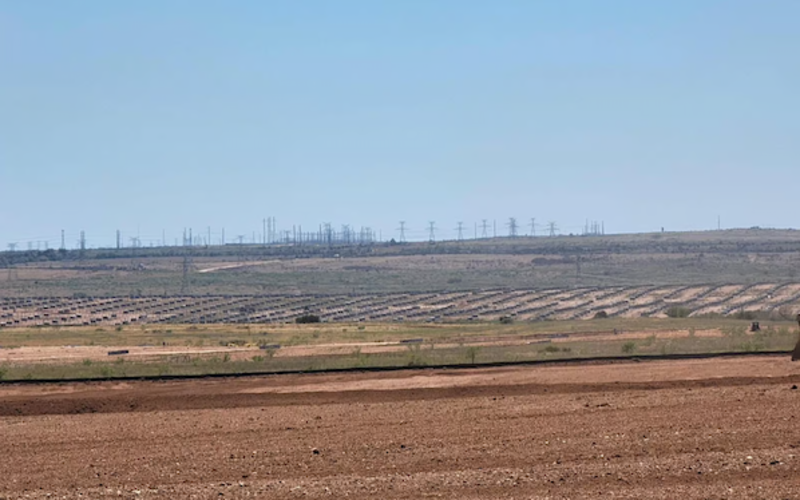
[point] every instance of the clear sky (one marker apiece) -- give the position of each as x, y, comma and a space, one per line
157, 115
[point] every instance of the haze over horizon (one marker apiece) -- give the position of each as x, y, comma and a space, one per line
152, 117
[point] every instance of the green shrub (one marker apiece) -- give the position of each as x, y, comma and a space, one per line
307, 318
628, 347
746, 315
678, 312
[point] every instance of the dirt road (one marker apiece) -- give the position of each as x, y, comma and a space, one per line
725, 428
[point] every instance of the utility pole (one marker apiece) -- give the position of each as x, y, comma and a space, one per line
460, 230
63, 241
533, 226
119, 238
484, 229
83, 241
402, 231
494, 228
432, 232
264, 231
187, 266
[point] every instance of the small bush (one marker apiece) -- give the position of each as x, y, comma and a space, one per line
678, 312
628, 347
746, 315
506, 320
307, 318
258, 359
600, 315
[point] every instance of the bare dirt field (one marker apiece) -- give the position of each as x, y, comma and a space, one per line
715, 428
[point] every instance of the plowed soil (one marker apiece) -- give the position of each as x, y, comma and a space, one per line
714, 428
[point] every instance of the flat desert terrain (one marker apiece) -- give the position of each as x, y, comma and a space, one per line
712, 428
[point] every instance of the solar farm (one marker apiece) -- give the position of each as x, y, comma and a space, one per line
521, 305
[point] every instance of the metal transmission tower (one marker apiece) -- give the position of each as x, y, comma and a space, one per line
512, 227
119, 240
460, 230
552, 228
63, 241
432, 232
533, 226
402, 231
12, 247
484, 229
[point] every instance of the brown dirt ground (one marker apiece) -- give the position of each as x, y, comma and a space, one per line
718, 428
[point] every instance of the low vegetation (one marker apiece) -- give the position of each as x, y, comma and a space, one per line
417, 346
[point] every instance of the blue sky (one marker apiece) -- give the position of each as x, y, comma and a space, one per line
153, 116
